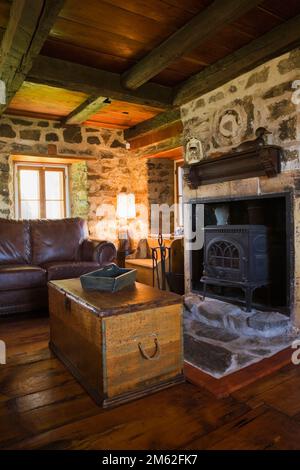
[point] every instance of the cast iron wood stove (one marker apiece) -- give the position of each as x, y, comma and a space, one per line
236, 256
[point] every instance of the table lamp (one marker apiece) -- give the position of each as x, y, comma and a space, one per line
125, 211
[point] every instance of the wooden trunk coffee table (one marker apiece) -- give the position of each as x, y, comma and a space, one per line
119, 346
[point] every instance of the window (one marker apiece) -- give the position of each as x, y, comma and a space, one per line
179, 193
41, 191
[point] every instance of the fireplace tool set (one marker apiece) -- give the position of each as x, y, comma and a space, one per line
160, 253
167, 268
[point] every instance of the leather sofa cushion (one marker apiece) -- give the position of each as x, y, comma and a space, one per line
57, 240
69, 269
14, 277
14, 242
23, 300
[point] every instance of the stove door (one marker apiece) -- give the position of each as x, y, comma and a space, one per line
224, 260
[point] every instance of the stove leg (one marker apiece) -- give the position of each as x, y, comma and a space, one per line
269, 294
249, 296
204, 291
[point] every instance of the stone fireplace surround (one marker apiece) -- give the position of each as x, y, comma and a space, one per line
229, 115
221, 338
285, 183
268, 272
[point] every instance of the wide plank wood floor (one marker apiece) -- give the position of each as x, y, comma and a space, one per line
43, 407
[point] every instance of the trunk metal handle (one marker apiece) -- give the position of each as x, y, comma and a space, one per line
153, 356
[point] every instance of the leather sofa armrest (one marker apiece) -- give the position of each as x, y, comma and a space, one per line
103, 252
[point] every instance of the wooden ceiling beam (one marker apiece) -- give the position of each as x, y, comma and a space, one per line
279, 40
171, 154
28, 28
160, 136
63, 74
85, 110
200, 28
160, 121
173, 130
166, 145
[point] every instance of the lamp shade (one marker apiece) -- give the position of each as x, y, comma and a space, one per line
126, 206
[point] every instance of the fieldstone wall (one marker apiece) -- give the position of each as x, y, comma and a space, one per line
116, 173
161, 183
38, 137
264, 97
78, 175
108, 169
152, 182
222, 119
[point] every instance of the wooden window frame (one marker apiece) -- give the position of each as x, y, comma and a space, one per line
178, 164
42, 168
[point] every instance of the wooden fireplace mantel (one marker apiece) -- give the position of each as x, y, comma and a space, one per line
260, 161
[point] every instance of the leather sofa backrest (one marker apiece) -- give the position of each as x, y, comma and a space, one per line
57, 240
14, 242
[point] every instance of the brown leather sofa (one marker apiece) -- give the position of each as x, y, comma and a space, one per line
33, 252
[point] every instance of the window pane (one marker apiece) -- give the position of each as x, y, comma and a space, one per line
30, 209
46, 182
54, 185
29, 184
54, 209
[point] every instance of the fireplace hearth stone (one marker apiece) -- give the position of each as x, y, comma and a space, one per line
221, 338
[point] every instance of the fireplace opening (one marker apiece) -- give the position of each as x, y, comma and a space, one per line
246, 257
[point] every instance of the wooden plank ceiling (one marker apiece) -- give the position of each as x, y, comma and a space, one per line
113, 35
44, 101
49, 102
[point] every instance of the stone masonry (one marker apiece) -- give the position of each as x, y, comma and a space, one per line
220, 338
108, 169
264, 97
268, 96
160, 173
